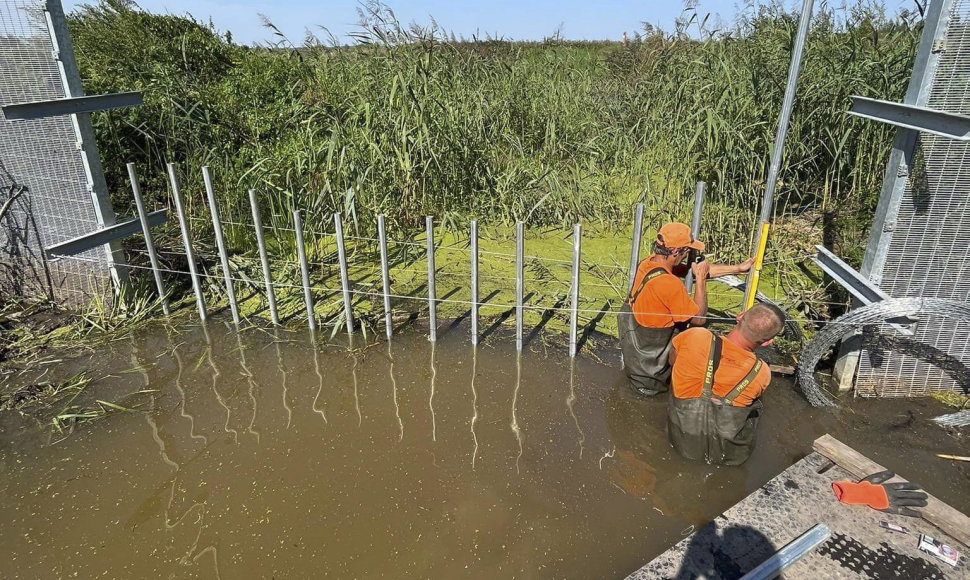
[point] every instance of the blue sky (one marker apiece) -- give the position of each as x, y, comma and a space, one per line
510, 19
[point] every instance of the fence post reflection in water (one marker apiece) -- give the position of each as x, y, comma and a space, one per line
474, 273
474, 405
519, 284
385, 276
316, 368
432, 298
251, 382
220, 243
282, 368
264, 258
635, 246
304, 270
434, 375
344, 280
574, 290
187, 242
146, 230
215, 383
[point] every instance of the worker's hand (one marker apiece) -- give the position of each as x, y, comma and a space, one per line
892, 498
745, 266
701, 269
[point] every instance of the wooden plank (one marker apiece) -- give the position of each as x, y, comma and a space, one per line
936, 512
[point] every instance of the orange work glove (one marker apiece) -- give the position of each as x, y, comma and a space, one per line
890, 497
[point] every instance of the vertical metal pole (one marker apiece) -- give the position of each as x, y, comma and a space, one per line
264, 258
385, 276
187, 242
474, 267
519, 284
344, 279
84, 132
574, 302
220, 243
146, 229
695, 226
767, 203
304, 270
635, 247
432, 293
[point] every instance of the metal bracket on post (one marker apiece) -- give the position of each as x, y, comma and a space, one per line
913, 117
104, 236
858, 285
71, 106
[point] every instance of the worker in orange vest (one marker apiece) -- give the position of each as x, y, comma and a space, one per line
716, 387
659, 306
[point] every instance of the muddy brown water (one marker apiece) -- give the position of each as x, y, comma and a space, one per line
261, 456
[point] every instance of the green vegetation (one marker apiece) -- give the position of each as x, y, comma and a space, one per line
410, 121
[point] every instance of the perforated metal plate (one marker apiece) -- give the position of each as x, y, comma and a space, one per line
41, 158
928, 239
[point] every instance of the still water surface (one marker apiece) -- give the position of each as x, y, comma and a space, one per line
259, 455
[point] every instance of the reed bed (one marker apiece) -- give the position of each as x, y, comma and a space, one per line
410, 121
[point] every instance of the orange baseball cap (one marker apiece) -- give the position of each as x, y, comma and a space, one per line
677, 235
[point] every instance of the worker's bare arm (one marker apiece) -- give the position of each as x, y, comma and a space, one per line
718, 270
701, 272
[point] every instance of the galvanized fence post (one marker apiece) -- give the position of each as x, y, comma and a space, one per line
344, 278
574, 290
519, 286
695, 226
474, 273
264, 258
304, 270
146, 229
187, 242
635, 247
432, 293
385, 276
220, 243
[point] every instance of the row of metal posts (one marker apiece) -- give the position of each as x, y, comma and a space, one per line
385, 268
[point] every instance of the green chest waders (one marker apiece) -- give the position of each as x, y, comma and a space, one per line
711, 428
645, 350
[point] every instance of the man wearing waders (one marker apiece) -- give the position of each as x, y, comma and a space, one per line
658, 306
717, 382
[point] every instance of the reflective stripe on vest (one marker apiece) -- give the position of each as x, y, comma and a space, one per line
713, 362
656, 272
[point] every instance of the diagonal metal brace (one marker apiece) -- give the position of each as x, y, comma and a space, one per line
923, 119
101, 237
864, 290
71, 106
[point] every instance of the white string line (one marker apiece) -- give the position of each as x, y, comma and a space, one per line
510, 257
221, 279
374, 269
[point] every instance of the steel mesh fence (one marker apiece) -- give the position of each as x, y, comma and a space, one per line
928, 252
42, 168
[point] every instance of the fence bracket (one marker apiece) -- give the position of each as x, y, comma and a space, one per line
71, 106
858, 285
913, 117
105, 235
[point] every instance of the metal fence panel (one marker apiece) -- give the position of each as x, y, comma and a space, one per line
928, 251
42, 161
